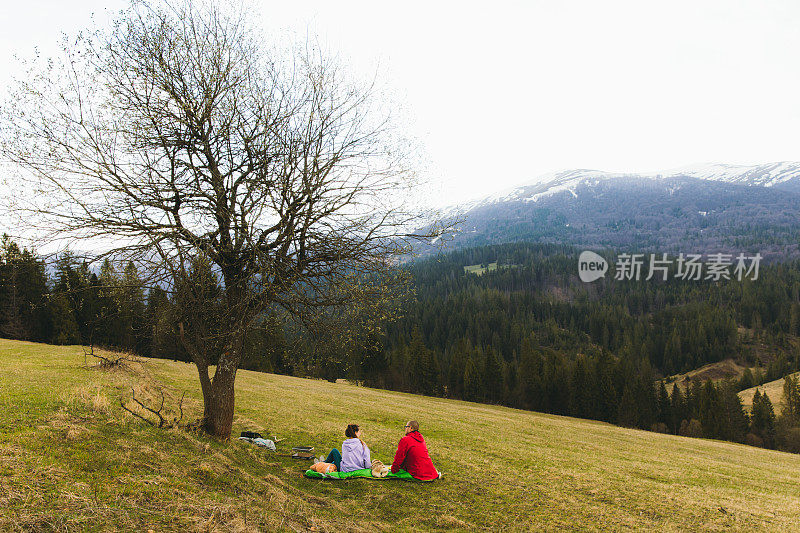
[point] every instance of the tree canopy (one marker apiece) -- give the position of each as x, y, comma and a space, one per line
178, 138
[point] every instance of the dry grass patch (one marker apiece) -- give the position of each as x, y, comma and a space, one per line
773, 389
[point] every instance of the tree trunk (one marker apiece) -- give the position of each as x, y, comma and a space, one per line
218, 401
218, 394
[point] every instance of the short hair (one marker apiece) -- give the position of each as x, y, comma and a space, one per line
350, 432
414, 425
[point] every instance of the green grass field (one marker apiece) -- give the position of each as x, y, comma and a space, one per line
480, 269
72, 459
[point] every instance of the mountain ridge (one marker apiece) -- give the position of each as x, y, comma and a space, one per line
715, 207
784, 174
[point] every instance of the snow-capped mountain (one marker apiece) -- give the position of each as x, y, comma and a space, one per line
784, 175
778, 175
710, 207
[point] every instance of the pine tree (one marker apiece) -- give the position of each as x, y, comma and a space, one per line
791, 400
607, 392
72, 286
110, 328
131, 305
710, 410
578, 390
794, 319
529, 383
734, 420
628, 411
678, 410
424, 370
746, 381
65, 328
11, 323
664, 406
472, 381
455, 372
492, 376
762, 421
24, 313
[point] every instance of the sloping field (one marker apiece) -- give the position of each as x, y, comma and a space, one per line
774, 390
72, 459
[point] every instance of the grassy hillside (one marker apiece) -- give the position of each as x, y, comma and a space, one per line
70, 458
725, 369
774, 390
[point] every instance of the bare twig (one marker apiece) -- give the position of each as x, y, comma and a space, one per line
103, 361
180, 407
162, 420
134, 413
108, 362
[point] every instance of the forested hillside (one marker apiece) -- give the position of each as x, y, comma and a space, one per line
530, 334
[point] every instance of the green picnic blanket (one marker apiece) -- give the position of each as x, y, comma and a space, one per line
364, 472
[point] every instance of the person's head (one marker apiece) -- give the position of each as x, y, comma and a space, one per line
352, 431
411, 425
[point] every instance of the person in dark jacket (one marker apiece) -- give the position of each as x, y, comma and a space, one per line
412, 455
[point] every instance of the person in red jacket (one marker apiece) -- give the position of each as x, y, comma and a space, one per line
412, 455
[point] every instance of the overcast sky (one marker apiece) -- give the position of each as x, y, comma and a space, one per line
501, 93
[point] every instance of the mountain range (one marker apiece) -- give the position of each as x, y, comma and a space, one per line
697, 209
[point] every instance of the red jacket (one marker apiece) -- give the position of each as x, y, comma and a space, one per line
412, 456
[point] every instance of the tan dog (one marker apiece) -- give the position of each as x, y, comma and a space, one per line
379, 469
323, 468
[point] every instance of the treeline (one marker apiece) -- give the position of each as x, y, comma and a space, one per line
110, 308
534, 296
73, 304
599, 387
715, 411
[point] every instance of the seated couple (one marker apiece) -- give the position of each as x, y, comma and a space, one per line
411, 456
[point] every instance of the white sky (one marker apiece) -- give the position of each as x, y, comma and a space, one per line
501, 94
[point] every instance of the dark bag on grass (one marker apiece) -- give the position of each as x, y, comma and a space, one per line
251, 435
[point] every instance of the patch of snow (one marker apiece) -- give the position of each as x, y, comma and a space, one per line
766, 175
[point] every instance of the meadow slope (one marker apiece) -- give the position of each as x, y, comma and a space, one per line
72, 459
773, 389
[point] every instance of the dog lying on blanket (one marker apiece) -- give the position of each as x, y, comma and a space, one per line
379, 469
323, 468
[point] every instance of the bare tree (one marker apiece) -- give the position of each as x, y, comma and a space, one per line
177, 139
